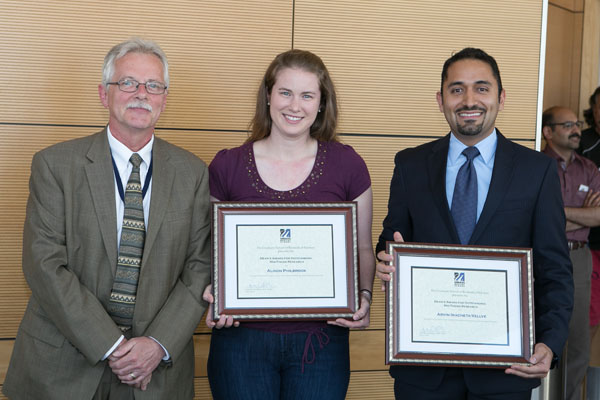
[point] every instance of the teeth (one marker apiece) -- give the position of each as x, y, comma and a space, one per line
474, 114
291, 118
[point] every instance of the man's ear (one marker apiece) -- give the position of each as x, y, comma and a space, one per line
547, 132
103, 95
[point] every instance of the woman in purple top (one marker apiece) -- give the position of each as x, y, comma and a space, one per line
292, 154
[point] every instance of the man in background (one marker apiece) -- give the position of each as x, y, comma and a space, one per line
115, 250
580, 185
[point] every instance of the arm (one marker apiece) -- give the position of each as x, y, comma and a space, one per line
55, 287
396, 224
588, 215
183, 308
553, 280
584, 216
360, 319
224, 321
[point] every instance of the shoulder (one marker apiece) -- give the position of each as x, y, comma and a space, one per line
587, 163
341, 150
231, 157
179, 157
71, 152
75, 146
419, 153
522, 155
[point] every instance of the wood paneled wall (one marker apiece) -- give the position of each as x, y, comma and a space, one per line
385, 57
572, 53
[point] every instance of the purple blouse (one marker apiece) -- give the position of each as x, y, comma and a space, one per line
339, 174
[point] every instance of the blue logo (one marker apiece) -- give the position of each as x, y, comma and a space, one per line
285, 235
459, 279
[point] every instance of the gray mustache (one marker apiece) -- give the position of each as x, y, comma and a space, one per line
140, 104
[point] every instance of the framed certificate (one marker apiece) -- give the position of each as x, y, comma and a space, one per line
282, 261
455, 305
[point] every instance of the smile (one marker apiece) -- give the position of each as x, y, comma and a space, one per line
291, 118
470, 114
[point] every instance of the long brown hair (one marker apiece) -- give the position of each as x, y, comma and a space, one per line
324, 126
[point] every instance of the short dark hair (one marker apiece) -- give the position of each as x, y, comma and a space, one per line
548, 116
589, 113
471, 53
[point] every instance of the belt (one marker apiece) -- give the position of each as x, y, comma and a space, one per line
574, 245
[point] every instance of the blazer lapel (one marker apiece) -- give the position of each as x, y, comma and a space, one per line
163, 175
501, 177
100, 177
437, 180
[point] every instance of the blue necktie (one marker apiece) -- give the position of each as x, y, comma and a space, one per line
464, 199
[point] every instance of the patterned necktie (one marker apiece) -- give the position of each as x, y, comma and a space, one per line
131, 247
464, 200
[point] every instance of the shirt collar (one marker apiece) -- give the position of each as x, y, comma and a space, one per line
486, 147
121, 153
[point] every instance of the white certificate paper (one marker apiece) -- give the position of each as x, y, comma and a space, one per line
462, 306
285, 261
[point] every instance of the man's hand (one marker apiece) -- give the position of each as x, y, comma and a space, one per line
224, 320
134, 360
540, 364
384, 266
592, 199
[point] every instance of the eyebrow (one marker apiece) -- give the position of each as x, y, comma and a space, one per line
479, 82
290, 90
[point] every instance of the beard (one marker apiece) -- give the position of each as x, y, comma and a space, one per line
470, 129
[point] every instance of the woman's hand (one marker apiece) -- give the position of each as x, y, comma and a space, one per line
224, 320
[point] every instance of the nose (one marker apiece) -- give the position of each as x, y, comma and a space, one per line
141, 91
469, 98
295, 104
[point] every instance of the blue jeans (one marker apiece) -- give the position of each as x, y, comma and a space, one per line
248, 364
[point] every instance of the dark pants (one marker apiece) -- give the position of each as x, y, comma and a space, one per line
248, 364
453, 387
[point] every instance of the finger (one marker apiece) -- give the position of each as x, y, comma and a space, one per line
123, 349
207, 294
383, 256
398, 237
225, 321
146, 381
360, 313
210, 322
361, 324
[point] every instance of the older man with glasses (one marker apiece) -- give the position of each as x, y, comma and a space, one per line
116, 251
580, 185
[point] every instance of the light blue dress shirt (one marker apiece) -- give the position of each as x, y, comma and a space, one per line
484, 165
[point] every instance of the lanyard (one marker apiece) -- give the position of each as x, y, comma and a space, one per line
120, 184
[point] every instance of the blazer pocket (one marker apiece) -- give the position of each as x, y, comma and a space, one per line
40, 327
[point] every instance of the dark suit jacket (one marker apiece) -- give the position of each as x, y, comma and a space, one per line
523, 209
69, 261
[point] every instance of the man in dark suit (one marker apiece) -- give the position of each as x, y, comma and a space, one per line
515, 201
116, 251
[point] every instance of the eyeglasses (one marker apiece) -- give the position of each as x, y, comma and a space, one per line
131, 85
568, 124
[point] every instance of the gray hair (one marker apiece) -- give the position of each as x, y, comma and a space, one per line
133, 45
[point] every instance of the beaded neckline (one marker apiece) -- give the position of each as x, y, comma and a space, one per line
305, 187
